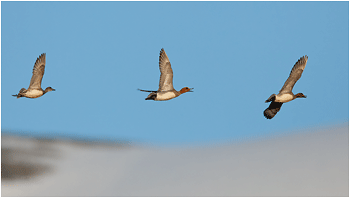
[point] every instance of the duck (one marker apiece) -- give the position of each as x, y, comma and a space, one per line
166, 89
286, 94
34, 90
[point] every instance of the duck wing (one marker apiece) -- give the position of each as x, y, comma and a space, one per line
272, 110
146, 90
166, 73
38, 72
294, 75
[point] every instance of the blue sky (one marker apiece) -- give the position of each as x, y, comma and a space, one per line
234, 55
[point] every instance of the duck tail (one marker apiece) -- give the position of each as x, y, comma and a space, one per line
17, 95
271, 98
20, 94
151, 96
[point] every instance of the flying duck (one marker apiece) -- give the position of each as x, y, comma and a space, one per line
34, 90
166, 90
286, 94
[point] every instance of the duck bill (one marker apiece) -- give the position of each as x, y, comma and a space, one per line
191, 90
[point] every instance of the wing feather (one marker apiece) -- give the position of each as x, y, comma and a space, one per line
38, 72
272, 110
166, 73
294, 75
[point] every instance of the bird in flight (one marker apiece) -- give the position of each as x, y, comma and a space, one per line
286, 94
34, 90
166, 90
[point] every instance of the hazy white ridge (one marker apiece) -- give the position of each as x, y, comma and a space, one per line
304, 164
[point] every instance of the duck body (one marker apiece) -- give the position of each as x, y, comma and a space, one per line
33, 93
34, 90
285, 97
285, 94
166, 89
277, 101
166, 95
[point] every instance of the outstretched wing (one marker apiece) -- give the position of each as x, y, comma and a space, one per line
294, 75
38, 72
166, 73
272, 110
146, 90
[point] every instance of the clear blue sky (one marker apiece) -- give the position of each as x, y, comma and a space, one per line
234, 54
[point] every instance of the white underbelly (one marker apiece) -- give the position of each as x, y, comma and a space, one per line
34, 93
165, 96
284, 98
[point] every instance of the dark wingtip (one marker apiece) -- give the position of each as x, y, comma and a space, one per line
272, 110
268, 114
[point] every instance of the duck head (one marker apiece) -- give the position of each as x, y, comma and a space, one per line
186, 89
300, 95
48, 89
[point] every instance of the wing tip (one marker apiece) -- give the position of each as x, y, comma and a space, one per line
303, 59
301, 63
163, 57
41, 59
269, 114
42, 56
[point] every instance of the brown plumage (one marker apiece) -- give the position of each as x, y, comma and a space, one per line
166, 89
34, 90
286, 94
272, 110
166, 73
